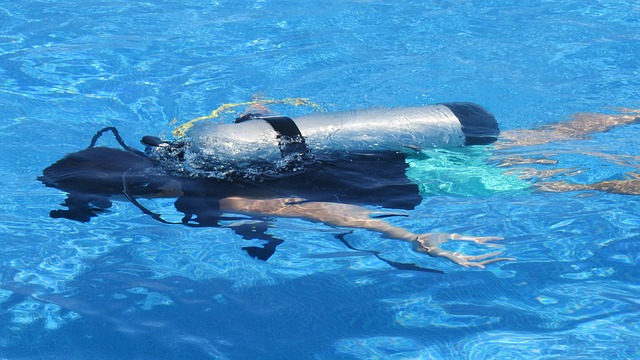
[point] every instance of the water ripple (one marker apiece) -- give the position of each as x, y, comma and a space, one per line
383, 347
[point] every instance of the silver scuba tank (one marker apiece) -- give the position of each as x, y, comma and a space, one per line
259, 144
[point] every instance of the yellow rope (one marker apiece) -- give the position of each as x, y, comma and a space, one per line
181, 130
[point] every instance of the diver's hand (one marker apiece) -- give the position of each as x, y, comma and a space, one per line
430, 243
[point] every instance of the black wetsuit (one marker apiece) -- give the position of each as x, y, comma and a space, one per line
93, 176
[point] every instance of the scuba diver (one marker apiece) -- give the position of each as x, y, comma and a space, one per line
331, 168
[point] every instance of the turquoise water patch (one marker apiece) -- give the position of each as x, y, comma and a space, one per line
463, 172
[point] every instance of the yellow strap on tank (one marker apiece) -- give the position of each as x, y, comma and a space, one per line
181, 130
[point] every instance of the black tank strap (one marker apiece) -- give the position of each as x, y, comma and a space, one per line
285, 127
291, 139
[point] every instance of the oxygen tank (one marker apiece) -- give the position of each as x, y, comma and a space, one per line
257, 145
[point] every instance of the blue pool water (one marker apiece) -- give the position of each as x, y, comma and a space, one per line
124, 286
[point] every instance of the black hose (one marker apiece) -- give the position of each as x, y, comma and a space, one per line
119, 139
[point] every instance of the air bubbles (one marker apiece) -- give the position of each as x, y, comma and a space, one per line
224, 159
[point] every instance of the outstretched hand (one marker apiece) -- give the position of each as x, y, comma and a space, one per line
430, 243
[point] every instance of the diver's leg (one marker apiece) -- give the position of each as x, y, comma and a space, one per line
353, 216
579, 127
625, 187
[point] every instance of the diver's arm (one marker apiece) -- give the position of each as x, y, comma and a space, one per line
336, 214
353, 216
